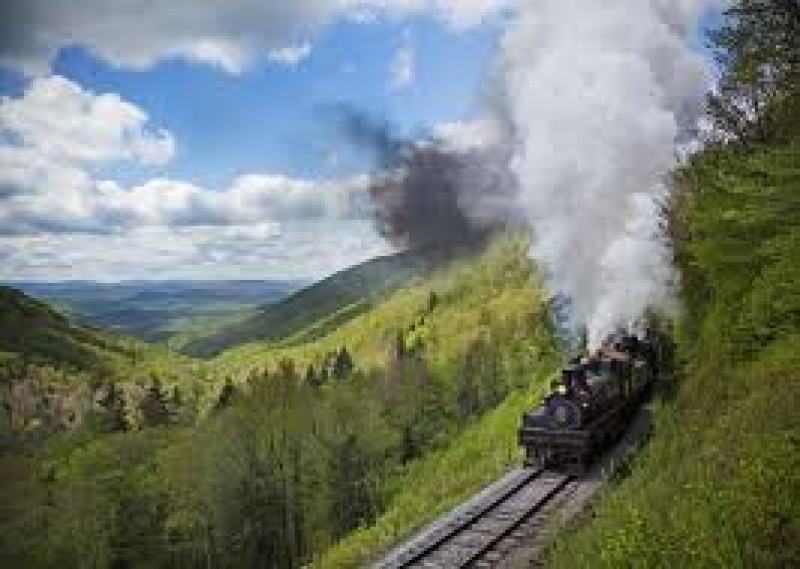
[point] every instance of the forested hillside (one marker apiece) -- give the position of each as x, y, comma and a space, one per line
56, 375
378, 424
719, 484
315, 310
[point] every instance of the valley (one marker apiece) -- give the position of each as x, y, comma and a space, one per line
338, 426
159, 311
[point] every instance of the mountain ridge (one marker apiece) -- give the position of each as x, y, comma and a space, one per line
311, 311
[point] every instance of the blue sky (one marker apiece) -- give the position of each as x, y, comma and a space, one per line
195, 142
269, 118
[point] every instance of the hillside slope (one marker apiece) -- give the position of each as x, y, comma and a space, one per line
304, 445
719, 485
311, 312
52, 371
32, 329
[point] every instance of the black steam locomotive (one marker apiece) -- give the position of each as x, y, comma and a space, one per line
591, 405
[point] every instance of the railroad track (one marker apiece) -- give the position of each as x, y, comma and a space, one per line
478, 533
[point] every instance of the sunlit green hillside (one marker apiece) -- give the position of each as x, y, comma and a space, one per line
444, 313
32, 331
313, 311
31, 328
719, 485
53, 372
294, 446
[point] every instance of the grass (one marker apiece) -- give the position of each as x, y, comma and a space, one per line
719, 484
431, 486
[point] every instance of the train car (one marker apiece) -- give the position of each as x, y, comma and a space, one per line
591, 406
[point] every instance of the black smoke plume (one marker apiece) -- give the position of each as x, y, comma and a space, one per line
426, 195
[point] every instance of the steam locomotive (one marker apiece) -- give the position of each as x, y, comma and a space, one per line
591, 404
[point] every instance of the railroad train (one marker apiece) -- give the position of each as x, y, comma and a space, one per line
591, 404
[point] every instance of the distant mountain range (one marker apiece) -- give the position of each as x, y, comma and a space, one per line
157, 310
204, 318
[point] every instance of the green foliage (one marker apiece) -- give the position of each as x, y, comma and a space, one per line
56, 375
428, 487
719, 483
40, 334
153, 406
299, 445
92, 502
311, 312
495, 293
758, 46
112, 416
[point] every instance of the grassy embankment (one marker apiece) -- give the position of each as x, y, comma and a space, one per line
719, 484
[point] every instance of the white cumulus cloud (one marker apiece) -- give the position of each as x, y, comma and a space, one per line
463, 136
62, 121
228, 35
290, 56
58, 220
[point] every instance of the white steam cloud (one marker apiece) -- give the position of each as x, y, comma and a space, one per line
599, 94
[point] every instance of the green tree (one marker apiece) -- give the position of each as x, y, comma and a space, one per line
154, 407
433, 300
343, 364
758, 50
312, 377
112, 416
226, 395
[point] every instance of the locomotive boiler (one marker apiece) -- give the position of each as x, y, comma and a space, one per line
590, 406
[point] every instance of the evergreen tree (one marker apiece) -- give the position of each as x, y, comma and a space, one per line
433, 300
312, 378
409, 448
467, 394
399, 345
288, 372
112, 417
226, 395
154, 408
343, 364
352, 502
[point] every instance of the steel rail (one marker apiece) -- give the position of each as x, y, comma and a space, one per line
516, 522
494, 504
455, 529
